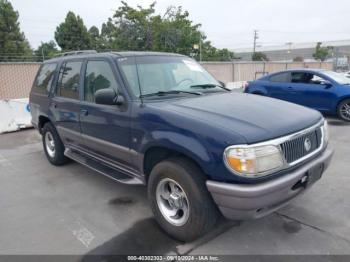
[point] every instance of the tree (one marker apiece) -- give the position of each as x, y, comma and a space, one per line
210, 53
94, 37
107, 36
13, 44
72, 34
259, 56
321, 52
140, 29
46, 50
133, 27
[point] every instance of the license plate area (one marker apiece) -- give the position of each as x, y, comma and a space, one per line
310, 177
314, 174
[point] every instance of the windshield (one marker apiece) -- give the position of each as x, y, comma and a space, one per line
339, 78
162, 75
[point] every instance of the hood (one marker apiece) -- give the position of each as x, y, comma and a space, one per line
256, 118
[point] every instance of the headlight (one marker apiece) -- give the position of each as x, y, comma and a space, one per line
253, 161
325, 132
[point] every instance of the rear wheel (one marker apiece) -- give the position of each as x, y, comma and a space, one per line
344, 110
180, 200
53, 146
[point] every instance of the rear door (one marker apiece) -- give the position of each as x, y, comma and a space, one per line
65, 103
105, 128
277, 86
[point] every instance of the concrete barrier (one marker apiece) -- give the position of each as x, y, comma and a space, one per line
14, 115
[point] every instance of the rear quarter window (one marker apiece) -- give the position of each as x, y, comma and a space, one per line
43, 81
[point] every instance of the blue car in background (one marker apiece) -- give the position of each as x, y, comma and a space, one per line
323, 90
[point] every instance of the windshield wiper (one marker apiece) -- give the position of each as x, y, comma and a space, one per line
172, 92
208, 86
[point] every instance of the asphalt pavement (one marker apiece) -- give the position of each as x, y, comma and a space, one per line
73, 210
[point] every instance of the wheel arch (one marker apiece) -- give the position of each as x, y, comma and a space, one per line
260, 93
257, 88
341, 99
156, 154
42, 121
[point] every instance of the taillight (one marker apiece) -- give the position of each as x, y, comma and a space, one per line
245, 86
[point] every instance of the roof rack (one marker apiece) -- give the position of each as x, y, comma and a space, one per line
78, 52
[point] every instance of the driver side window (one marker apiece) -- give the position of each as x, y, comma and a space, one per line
307, 78
99, 75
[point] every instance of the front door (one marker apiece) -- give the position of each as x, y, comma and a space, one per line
310, 90
277, 86
105, 128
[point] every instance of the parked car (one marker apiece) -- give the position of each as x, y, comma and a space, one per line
323, 90
161, 120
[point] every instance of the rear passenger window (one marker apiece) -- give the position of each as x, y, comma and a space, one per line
99, 75
68, 81
44, 79
282, 77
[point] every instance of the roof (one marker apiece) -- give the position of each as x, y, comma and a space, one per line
108, 54
309, 70
306, 69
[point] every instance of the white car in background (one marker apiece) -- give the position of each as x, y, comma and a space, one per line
347, 74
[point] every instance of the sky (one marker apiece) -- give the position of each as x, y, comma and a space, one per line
227, 24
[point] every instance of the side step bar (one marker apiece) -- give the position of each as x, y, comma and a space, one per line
102, 168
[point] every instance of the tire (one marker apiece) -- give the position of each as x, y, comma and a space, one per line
343, 110
202, 213
54, 151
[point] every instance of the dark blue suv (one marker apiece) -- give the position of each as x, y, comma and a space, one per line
161, 120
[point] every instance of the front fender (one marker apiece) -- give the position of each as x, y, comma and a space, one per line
189, 146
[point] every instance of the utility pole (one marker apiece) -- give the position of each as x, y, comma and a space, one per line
256, 37
200, 46
42, 53
289, 51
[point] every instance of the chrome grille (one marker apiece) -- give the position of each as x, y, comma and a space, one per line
295, 149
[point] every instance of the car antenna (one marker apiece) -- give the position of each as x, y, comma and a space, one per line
138, 78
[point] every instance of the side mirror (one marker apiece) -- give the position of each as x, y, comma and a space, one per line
108, 96
327, 84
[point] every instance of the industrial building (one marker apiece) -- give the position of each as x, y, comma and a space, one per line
339, 53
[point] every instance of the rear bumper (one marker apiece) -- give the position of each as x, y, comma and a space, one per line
241, 202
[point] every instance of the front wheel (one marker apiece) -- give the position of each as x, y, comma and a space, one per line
180, 200
344, 110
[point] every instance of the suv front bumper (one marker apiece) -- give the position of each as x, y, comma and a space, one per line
241, 202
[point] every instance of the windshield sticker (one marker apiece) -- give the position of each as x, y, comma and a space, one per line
193, 66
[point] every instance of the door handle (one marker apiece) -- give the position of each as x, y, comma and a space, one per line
54, 105
84, 112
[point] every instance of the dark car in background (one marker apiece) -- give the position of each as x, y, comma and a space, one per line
323, 90
161, 120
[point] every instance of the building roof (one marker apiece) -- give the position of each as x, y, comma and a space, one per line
293, 46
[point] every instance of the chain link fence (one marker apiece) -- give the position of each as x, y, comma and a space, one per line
16, 79
228, 72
